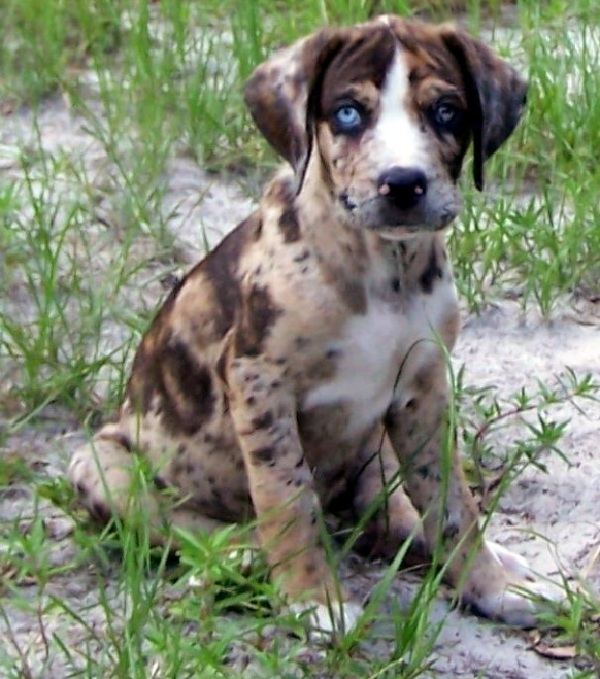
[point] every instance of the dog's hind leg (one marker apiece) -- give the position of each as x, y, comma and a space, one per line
109, 481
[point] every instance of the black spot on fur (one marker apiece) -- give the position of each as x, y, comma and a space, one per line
218, 502
143, 380
258, 316
263, 455
423, 472
390, 419
451, 531
302, 256
263, 421
289, 225
160, 483
82, 490
310, 568
186, 390
431, 273
221, 268
99, 512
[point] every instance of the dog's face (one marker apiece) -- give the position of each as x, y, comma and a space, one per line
386, 112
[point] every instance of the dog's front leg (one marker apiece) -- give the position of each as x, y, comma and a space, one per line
487, 578
378, 484
281, 485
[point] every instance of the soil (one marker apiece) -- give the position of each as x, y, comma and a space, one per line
551, 517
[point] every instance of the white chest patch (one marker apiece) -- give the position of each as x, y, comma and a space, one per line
380, 353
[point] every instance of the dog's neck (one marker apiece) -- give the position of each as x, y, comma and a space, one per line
352, 253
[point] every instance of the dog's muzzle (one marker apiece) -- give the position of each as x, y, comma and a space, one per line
405, 201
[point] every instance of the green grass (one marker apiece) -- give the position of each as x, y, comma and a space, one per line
85, 245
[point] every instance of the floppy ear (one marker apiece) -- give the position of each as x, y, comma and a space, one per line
496, 95
278, 93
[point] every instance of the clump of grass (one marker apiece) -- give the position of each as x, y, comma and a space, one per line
536, 232
482, 414
47, 40
53, 332
208, 614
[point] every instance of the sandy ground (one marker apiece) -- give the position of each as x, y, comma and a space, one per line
551, 518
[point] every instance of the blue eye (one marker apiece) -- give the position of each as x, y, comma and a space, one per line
348, 118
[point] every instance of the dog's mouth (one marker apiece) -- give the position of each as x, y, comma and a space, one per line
376, 213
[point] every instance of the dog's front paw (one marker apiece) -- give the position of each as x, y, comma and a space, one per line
508, 589
325, 622
517, 603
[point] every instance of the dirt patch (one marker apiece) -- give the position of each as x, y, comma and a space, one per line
550, 518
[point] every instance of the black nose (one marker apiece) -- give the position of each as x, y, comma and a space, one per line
404, 186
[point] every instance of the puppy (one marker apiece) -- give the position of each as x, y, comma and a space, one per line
301, 366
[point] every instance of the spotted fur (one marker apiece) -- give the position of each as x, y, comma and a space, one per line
300, 367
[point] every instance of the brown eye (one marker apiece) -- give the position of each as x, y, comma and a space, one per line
445, 114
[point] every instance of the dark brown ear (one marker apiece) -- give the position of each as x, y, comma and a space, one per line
496, 96
277, 93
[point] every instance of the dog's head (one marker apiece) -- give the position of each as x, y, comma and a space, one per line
385, 111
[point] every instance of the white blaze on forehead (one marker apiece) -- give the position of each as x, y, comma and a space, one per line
396, 129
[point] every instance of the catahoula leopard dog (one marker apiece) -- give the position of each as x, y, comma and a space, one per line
300, 367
